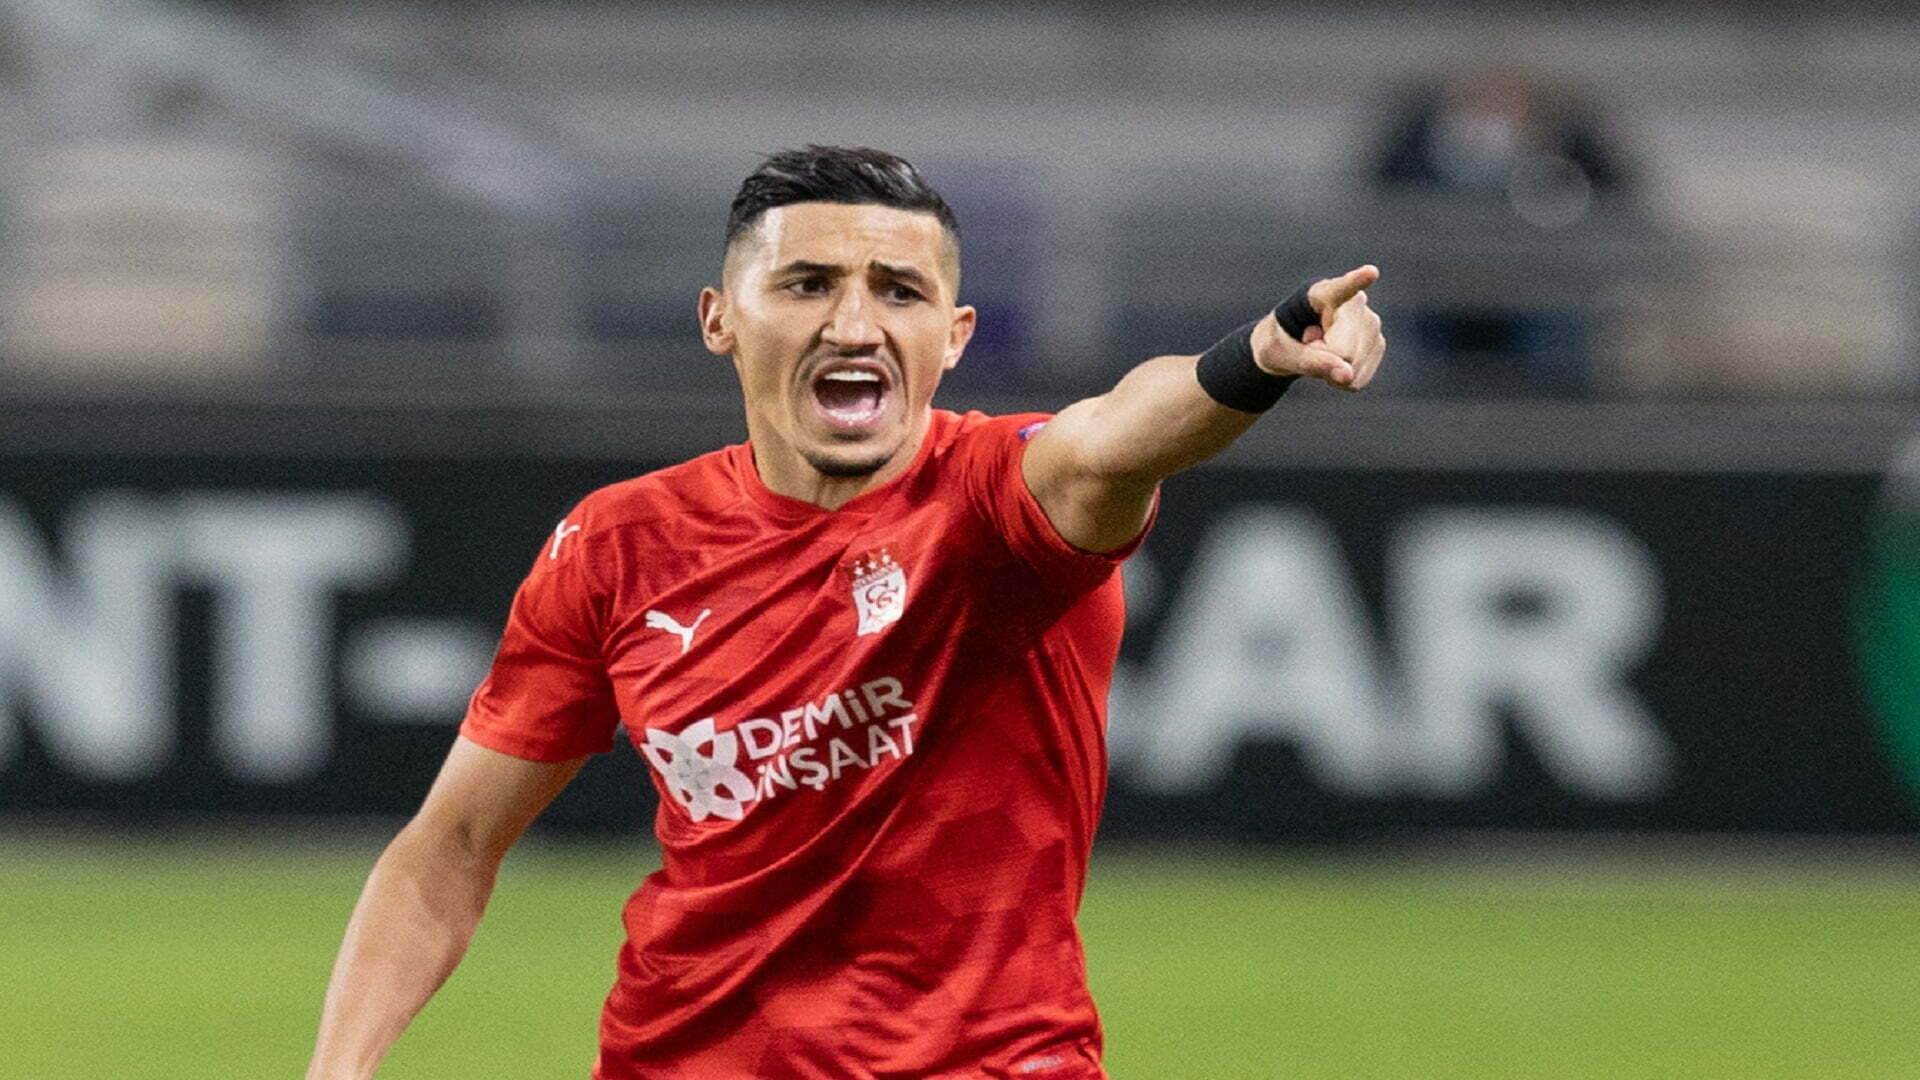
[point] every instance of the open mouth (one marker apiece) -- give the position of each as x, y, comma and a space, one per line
851, 396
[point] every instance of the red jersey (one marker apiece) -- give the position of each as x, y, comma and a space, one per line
878, 737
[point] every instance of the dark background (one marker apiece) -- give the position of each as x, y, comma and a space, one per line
1753, 674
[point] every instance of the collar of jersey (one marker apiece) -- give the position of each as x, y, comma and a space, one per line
785, 506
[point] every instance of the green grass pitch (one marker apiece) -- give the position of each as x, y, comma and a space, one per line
154, 959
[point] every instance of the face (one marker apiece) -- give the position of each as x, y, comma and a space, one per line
840, 320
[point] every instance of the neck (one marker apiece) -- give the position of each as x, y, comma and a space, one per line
785, 472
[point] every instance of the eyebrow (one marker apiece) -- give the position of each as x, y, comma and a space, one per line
802, 266
905, 273
896, 270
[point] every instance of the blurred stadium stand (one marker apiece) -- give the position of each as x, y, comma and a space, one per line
510, 200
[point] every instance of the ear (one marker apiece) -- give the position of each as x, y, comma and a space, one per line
715, 334
958, 334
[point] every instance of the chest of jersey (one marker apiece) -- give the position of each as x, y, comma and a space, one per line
753, 665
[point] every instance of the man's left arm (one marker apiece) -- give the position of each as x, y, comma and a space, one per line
1095, 467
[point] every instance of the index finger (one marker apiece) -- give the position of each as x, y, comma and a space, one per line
1330, 293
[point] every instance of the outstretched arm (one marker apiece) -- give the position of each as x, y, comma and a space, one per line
423, 900
1095, 467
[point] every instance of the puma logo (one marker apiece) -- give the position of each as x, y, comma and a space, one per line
660, 620
560, 533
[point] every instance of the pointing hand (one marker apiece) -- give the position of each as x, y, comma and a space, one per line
1344, 350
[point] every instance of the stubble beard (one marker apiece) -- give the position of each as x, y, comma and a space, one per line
841, 468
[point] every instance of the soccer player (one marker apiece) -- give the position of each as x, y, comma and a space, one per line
866, 655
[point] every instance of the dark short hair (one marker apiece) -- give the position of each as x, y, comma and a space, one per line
836, 174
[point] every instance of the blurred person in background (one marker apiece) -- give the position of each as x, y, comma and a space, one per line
1515, 154
867, 655
1482, 132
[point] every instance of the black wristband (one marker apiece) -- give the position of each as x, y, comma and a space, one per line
1296, 313
1227, 371
1229, 376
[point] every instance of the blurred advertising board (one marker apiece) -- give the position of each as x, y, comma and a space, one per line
1313, 653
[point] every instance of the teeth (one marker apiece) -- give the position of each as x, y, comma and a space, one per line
851, 376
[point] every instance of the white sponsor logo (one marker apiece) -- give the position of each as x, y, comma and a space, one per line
660, 620
811, 745
879, 591
560, 532
706, 784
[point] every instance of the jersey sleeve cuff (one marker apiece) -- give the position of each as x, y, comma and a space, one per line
1041, 544
517, 744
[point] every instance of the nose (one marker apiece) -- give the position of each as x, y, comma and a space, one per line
851, 325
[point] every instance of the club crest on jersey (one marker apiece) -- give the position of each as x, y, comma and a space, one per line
879, 590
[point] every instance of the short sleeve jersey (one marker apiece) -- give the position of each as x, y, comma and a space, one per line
877, 734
